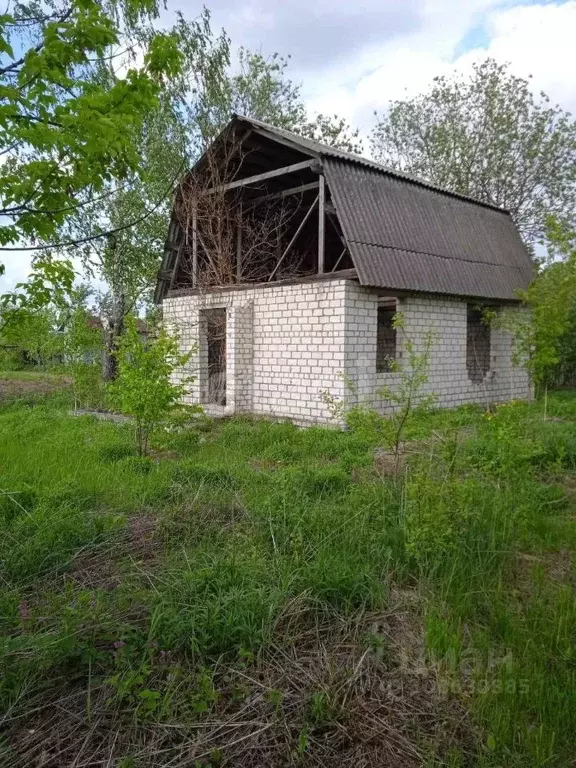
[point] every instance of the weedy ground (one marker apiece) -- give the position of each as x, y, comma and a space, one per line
254, 594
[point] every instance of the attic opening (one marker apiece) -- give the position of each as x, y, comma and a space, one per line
386, 335
253, 210
478, 344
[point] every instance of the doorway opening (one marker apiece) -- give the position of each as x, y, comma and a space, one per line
214, 321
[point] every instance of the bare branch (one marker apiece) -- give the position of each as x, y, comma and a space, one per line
238, 240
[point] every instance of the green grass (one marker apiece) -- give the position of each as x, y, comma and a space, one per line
32, 375
271, 578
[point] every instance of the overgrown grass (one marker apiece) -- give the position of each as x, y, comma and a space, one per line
30, 375
259, 594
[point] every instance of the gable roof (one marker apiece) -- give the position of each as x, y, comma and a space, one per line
317, 149
406, 234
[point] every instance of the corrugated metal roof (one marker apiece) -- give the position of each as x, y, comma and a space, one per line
406, 234
325, 150
405, 237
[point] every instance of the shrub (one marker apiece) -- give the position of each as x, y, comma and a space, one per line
144, 388
436, 513
557, 447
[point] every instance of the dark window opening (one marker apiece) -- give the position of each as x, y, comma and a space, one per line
215, 356
477, 345
385, 336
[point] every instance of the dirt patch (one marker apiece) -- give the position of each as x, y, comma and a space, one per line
118, 418
267, 465
388, 464
163, 455
43, 385
95, 570
557, 566
138, 543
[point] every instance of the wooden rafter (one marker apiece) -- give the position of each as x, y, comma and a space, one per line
293, 240
195, 246
277, 139
207, 253
339, 259
285, 193
331, 216
321, 221
239, 246
262, 176
175, 268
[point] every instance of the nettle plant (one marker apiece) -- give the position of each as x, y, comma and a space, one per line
144, 388
404, 397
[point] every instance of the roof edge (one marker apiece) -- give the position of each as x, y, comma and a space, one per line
299, 142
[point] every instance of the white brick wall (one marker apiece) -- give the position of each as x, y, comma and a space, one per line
287, 343
445, 318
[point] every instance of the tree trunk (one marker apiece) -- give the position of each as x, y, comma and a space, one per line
112, 319
109, 362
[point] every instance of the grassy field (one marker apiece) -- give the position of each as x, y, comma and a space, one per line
258, 595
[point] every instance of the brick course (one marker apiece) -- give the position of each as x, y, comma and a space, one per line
287, 343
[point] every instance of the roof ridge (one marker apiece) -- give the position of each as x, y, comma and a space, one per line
341, 154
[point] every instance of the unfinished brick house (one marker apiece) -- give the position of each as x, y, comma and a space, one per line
286, 261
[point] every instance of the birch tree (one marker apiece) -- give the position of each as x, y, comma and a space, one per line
489, 136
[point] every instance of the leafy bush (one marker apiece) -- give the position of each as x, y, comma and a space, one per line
557, 447
144, 388
437, 513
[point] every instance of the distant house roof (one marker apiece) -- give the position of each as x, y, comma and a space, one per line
407, 234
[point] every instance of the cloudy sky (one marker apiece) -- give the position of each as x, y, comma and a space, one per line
353, 56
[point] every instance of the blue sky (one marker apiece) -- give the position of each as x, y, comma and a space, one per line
353, 57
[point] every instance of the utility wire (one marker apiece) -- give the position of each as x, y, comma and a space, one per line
91, 238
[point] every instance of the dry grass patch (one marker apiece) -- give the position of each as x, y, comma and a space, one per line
333, 692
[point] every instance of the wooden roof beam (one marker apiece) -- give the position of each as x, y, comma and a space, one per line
284, 193
294, 168
294, 237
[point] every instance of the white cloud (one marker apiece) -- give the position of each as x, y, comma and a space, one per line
537, 40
